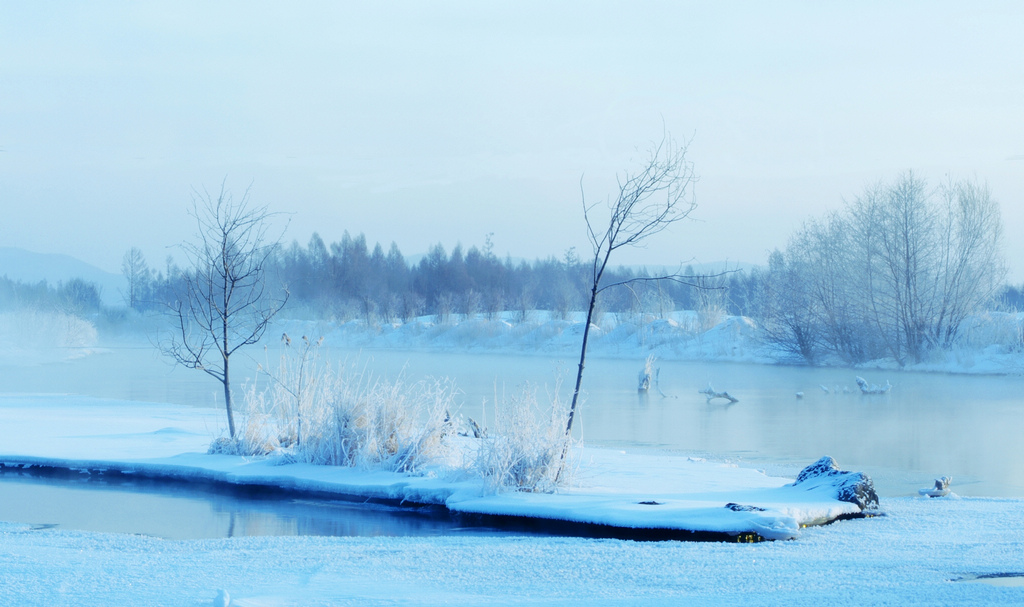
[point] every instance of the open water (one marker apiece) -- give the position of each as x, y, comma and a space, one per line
927, 426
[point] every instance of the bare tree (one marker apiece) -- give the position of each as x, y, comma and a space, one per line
649, 200
224, 302
896, 273
136, 272
971, 265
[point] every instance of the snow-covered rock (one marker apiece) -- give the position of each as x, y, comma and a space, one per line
853, 487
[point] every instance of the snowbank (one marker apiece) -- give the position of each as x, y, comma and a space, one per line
924, 552
992, 342
614, 488
677, 337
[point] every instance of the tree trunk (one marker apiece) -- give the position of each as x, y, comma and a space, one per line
583, 357
227, 400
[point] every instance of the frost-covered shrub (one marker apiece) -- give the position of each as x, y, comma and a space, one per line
362, 421
30, 329
344, 416
526, 449
992, 328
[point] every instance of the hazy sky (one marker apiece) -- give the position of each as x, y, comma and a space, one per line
425, 122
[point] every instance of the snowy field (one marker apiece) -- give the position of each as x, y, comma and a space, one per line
925, 552
949, 550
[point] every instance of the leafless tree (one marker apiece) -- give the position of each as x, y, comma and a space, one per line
136, 272
971, 266
649, 200
895, 273
225, 303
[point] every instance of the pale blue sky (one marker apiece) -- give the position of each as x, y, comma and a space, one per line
425, 122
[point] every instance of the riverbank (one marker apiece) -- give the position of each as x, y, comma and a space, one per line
923, 551
991, 344
626, 494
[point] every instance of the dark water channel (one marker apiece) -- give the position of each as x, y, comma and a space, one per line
180, 510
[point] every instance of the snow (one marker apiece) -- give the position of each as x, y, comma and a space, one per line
76, 432
946, 550
991, 344
923, 552
944, 547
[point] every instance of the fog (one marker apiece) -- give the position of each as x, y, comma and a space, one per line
445, 123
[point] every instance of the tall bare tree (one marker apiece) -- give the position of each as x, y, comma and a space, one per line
649, 200
136, 272
971, 266
225, 302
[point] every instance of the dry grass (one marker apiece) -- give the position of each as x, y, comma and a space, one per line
527, 447
342, 415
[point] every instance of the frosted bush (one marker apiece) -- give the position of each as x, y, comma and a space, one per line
991, 328
525, 452
344, 416
357, 420
31, 329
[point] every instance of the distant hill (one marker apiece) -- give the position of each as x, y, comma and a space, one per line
26, 266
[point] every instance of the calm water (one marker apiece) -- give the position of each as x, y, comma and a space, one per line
180, 510
929, 425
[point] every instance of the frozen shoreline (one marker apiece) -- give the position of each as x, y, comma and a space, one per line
923, 552
677, 337
612, 488
939, 545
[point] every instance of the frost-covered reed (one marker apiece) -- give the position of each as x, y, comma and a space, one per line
343, 415
529, 448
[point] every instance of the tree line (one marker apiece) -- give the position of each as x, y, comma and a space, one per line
75, 296
348, 279
893, 274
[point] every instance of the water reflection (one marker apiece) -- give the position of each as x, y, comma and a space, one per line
187, 510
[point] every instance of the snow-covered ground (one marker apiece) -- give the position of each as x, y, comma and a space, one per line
611, 487
991, 343
926, 551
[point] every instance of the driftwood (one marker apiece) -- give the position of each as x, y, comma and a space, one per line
650, 376
477, 431
941, 488
865, 388
646, 375
710, 393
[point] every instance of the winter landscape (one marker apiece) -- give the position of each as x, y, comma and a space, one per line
449, 303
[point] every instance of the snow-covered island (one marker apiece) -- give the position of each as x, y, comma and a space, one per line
617, 494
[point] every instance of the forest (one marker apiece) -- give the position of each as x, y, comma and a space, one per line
893, 274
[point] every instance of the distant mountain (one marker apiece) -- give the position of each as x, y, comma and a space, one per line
26, 266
